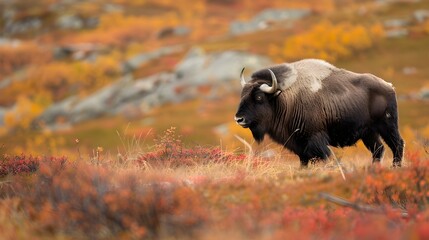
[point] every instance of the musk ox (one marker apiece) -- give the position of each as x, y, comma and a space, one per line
310, 104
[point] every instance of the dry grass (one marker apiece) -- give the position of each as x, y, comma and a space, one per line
168, 192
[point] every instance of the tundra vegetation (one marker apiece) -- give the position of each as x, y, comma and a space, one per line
137, 177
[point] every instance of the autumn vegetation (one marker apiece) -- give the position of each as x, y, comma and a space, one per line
141, 178
330, 41
37, 79
176, 191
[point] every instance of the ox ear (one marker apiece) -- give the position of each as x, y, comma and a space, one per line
277, 93
286, 75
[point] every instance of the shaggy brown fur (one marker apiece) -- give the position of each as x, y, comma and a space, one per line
311, 111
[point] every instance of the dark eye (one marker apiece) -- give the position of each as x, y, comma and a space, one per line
258, 98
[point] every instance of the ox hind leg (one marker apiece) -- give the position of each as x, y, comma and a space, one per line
395, 142
373, 142
388, 130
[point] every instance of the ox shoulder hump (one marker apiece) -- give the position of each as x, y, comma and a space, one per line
315, 62
312, 72
315, 66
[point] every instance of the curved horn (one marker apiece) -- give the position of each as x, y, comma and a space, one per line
243, 81
267, 89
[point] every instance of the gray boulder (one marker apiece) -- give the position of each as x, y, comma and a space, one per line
69, 22
396, 33
421, 15
129, 97
9, 42
424, 94
57, 111
396, 23
22, 26
200, 68
140, 59
179, 31
2, 114
262, 20
98, 103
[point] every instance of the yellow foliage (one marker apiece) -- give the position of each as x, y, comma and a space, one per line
377, 32
58, 80
425, 132
410, 138
330, 42
46, 142
24, 112
231, 141
43, 143
116, 28
426, 26
87, 8
134, 48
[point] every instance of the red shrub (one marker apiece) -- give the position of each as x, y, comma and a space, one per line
24, 164
176, 157
169, 151
84, 200
406, 189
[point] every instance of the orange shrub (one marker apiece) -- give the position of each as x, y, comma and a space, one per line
22, 164
119, 30
22, 115
171, 153
328, 41
24, 54
58, 80
406, 189
83, 200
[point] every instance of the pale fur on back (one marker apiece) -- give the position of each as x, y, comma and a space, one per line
306, 74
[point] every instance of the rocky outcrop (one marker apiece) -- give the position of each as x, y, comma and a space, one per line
140, 59
2, 114
197, 75
179, 31
421, 15
263, 19
81, 51
424, 94
401, 27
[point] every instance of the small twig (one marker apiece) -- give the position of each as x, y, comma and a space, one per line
338, 164
345, 203
357, 207
77, 141
245, 144
251, 153
287, 140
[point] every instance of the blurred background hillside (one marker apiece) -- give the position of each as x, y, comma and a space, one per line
97, 73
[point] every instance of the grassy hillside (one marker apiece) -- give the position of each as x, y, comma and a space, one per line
387, 57
179, 171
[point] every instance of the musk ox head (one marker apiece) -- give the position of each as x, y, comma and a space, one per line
256, 107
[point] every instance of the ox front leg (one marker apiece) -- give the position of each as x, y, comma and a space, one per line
306, 158
317, 149
304, 161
